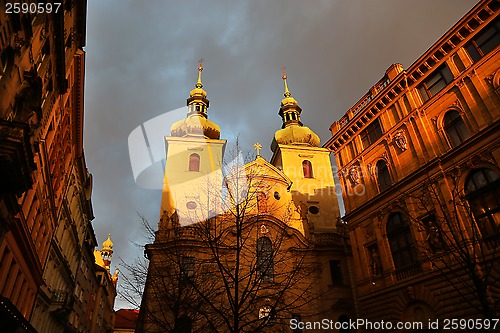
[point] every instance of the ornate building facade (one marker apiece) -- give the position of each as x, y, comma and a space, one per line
418, 160
46, 236
245, 245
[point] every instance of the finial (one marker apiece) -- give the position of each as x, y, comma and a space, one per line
200, 69
284, 77
257, 146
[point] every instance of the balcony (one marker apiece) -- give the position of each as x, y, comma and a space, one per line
16, 157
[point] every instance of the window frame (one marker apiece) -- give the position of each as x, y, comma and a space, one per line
265, 259
399, 233
455, 129
382, 187
480, 198
435, 82
372, 133
307, 169
476, 50
194, 162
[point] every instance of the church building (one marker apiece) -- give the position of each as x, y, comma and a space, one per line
245, 244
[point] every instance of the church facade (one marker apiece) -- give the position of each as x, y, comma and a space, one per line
245, 245
418, 160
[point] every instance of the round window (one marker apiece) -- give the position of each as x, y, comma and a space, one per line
313, 210
191, 205
277, 195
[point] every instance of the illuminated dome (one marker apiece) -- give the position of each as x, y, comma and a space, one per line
108, 244
292, 131
196, 123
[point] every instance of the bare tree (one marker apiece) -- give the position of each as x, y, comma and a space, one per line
246, 269
460, 246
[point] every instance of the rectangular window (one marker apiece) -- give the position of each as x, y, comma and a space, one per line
435, 82
187, 267
352, 149
485, 41
339, 160
372, 133
336, 272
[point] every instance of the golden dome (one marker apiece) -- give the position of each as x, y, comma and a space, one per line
292, 132
297, 135
108, 244
197, 125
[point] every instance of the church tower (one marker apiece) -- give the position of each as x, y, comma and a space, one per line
193, 176
297, 153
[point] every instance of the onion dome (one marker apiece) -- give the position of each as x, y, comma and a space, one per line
292, 132
196, 122
107, 246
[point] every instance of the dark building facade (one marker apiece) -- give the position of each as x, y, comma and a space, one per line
46, 237
418, 160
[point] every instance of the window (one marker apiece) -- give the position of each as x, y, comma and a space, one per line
482, 189
187, 267
194, 162
455, 128
485, 41
372, 133
404, 254
307, 169
336, 272
383, 176
352, 149
435, 82
265, 265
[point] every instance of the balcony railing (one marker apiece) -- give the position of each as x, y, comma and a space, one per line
406, 272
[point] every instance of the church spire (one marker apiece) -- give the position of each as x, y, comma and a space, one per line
199, 84
196, 123
292, 131
290, 110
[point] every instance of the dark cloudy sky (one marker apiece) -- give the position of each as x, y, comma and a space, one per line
142, 58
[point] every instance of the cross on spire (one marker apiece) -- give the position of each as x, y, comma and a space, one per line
257, 146
284, 77
200, 68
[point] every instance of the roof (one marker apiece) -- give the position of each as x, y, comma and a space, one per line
126, 318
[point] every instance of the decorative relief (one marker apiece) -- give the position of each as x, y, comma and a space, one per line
368, 231
355, 175
400, 140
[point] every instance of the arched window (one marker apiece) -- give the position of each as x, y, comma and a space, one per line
383, 176
194, 162
404, 254
482, 189
307, 169
265, 265
455, 128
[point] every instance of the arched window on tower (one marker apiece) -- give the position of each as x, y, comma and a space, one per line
194, 162
383, 176
455, 128
404, 253
482, 189
307, 169
265, 265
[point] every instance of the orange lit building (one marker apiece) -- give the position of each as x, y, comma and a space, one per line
254, 248
46, 238
419, 150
